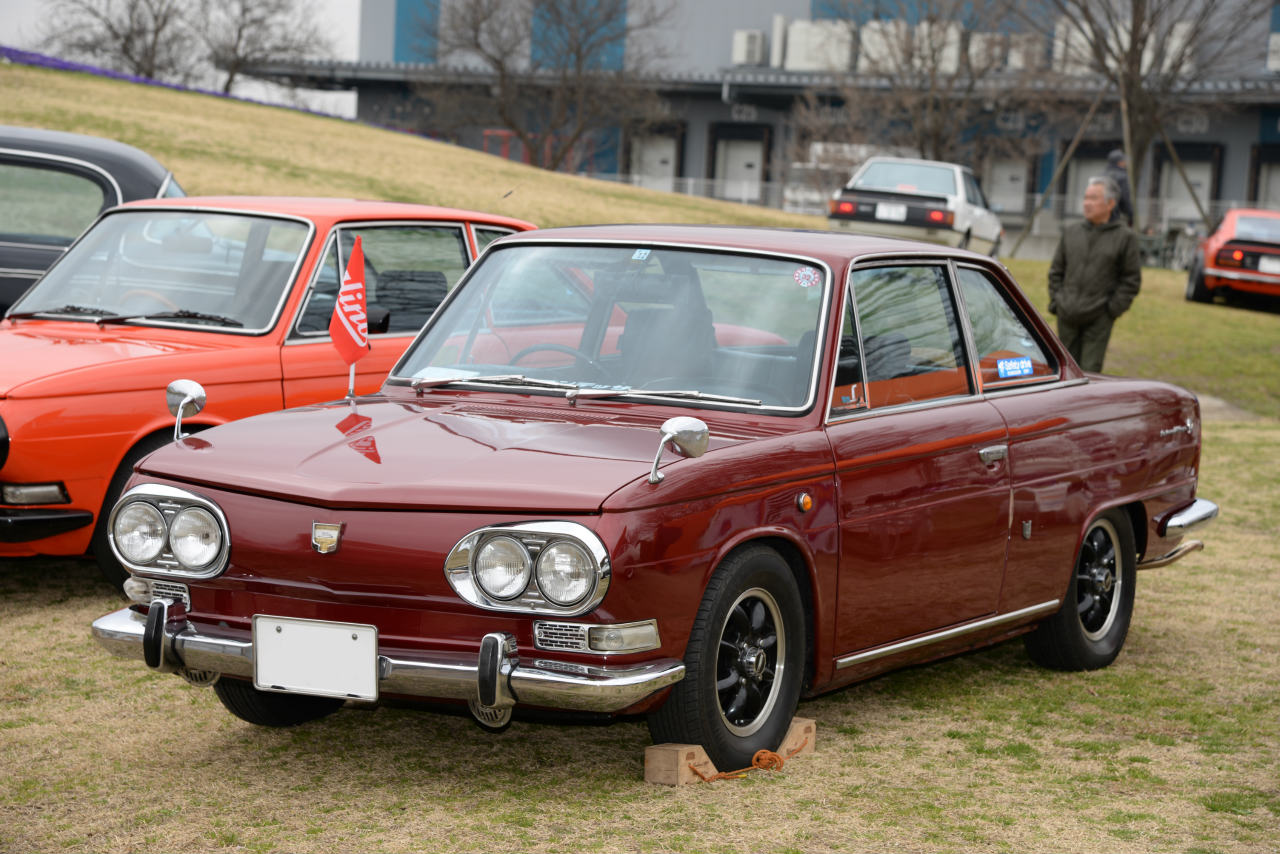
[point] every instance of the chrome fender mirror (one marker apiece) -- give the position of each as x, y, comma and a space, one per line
185, 398
689, 435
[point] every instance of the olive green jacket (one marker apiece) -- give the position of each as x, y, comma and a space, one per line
1096, 269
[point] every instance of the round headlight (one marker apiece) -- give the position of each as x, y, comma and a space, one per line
195, 538
565, 572
502, 567
139, 532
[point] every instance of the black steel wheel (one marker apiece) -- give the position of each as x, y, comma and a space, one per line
744, 663
1089, 629
269, 708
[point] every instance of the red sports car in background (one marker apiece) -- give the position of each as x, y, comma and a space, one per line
1242, 254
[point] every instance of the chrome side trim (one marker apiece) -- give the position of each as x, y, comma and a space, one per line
1200, 513
1180, 552
945, 634
440, 675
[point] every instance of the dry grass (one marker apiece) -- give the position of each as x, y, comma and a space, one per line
216, 145
1173, 748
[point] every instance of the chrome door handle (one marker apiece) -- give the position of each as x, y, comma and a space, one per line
993, 454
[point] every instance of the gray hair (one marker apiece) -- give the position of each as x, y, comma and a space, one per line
1110, 190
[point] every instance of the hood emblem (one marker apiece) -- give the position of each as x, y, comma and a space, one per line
325, 536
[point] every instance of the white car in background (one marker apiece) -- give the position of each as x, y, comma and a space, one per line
917, 199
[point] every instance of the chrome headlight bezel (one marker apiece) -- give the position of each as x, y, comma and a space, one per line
459, 567
169, 501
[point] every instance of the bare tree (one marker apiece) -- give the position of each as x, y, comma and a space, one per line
147, 38
1153, 52
552, 72
238, 34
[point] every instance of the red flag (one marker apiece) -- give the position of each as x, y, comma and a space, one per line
349, 326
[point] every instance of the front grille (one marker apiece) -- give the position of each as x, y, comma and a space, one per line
571, 636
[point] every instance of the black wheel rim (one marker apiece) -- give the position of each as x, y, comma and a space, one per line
1099, 581
750, 661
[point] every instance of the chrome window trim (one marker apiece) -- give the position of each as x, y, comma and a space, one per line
113, 184
155, 494
945, 634
458, 572
294, 336
395, 379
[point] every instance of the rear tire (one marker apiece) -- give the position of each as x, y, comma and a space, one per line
1197, 291
100, 545
744, 663
267, 708
1089, 629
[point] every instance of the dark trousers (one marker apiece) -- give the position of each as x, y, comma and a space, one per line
1087, 342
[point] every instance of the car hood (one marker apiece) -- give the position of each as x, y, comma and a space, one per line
377, 452
40, 358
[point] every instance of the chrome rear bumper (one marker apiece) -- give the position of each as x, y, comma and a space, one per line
1198, 514
503, 681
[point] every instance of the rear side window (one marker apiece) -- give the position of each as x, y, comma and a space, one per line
1008, 353
46, 206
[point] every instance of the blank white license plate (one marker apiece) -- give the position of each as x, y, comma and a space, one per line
891, 211
1268, 264
315, 657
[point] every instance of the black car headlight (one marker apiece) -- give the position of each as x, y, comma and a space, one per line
537, 567
161, 530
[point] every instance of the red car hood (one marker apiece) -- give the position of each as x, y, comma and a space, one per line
40, 357
456, 455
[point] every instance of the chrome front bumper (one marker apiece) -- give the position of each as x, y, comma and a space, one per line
497, 677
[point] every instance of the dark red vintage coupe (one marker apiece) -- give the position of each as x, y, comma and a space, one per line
691, 472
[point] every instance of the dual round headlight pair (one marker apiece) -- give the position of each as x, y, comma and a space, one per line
564, 572
141, 534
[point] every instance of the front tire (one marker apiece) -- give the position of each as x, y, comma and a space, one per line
1089, 629
268, 708
744, 663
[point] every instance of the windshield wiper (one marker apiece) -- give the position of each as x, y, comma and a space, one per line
182, 314
691, 394
64, 309
493, 379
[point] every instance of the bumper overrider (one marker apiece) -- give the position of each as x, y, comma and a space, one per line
495, 678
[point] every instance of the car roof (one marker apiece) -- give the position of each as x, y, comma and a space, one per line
138, 174
915, 161
834, 247
331, 208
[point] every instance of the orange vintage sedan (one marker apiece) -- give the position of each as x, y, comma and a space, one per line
234, 292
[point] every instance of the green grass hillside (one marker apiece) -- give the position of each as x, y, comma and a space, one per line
216, 145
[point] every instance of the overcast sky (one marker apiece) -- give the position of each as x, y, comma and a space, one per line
21, 22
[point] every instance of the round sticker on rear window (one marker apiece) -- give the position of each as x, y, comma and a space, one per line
807, 277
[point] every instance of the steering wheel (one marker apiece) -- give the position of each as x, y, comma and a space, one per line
581, 357
149, 294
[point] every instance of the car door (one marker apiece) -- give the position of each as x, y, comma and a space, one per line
409, 268
922, 482
985, 224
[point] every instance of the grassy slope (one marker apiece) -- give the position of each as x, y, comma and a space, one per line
215, 145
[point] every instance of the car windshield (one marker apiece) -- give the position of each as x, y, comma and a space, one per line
200, 268
907, 177
1264, 229
627, 321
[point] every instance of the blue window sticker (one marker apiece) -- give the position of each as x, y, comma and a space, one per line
1020, 367
640, 255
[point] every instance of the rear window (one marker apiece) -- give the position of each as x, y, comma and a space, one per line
45, 206
1265, 229
908, 177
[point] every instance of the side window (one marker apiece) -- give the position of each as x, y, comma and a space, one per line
849, 394
485, 236
408, 271
911, 344
46, 206
1008, 354
973, 191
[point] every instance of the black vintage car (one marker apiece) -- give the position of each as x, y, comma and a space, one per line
53, 185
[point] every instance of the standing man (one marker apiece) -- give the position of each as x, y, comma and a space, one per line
1118, 171
1095, 274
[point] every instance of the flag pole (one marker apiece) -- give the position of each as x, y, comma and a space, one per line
351, 380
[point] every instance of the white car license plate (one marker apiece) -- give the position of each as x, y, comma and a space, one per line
891, 211
1268, 264
315, 657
